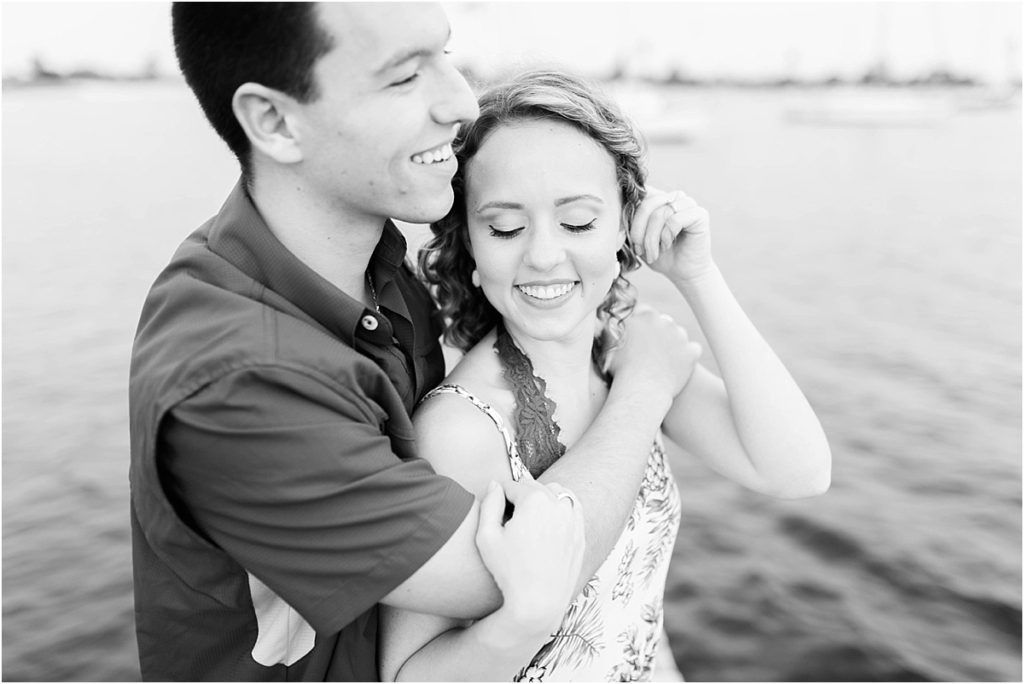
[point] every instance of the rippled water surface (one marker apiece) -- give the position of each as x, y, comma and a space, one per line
882, 263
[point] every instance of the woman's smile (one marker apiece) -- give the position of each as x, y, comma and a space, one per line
549, 292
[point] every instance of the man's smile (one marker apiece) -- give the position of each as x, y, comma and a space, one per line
437, 155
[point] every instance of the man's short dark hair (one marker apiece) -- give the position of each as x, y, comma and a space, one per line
221, 45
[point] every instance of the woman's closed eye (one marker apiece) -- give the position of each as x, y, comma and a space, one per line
505, 233
572, 228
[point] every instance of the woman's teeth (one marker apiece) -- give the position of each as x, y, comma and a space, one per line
546, 291
435, 156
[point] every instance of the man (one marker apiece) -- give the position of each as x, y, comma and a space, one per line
276, 496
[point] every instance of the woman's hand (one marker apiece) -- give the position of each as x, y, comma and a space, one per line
672, 233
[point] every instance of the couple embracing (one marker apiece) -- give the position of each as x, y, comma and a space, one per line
312, 497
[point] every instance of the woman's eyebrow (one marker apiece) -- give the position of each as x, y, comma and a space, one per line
575, 198
558, 202
498, 205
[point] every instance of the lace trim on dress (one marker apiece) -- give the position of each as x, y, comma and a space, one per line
534, 416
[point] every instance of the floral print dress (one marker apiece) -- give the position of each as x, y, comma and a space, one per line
611, 630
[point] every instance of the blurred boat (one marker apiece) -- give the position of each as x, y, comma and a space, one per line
650, 110
670, 128
1002, 97
870, 108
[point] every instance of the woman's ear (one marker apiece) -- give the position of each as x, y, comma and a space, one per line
265, 116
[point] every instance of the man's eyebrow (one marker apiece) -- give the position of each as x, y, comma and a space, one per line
403, 57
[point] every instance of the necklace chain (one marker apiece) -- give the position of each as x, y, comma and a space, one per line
373, 291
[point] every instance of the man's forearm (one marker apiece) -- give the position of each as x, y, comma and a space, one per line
606, 466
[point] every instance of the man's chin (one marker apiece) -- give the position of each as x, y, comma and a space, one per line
430, 210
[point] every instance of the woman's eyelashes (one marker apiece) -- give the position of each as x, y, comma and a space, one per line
580, 228
507, 233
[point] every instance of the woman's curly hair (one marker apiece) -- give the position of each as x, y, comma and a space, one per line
445, 261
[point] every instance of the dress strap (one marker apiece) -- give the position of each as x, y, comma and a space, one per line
516, 463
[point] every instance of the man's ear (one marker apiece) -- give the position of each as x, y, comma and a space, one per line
264, 115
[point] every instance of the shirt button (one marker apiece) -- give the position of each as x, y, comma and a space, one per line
369, 322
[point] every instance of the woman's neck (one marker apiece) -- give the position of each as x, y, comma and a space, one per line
570, 377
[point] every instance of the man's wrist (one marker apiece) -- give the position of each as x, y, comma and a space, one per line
645, 387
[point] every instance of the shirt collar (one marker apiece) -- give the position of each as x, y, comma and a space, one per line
240, 235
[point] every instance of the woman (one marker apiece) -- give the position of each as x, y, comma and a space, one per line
529, 267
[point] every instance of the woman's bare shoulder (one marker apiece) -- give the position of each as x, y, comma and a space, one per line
457, 437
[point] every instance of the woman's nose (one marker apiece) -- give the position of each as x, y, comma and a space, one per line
545, 250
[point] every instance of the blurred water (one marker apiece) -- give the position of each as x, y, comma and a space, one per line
883, 264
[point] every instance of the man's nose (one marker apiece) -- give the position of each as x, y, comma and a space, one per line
456, 102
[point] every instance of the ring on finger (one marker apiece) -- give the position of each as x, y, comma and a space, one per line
566, 494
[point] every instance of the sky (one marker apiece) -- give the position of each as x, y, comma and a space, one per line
704, 39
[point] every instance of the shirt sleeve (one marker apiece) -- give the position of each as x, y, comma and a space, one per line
299, 485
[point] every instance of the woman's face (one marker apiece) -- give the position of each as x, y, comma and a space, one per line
543, 212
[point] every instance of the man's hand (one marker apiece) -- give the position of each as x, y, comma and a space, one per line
656, 353
535, 557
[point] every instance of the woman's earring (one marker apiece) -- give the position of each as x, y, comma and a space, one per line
474, 278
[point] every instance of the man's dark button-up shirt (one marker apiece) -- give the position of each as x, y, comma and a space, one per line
276, 495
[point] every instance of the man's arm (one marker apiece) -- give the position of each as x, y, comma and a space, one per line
603, 469
294, 480
606, 465
299, 486
537, 588
527, 556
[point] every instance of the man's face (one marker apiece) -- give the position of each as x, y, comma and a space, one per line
377, 142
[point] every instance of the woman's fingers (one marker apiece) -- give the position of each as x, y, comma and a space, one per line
680, 222
658, 221
652, 235
654, 200
492, 509
663, 237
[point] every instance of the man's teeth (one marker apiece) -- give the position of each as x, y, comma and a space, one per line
435, 156
546, 291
